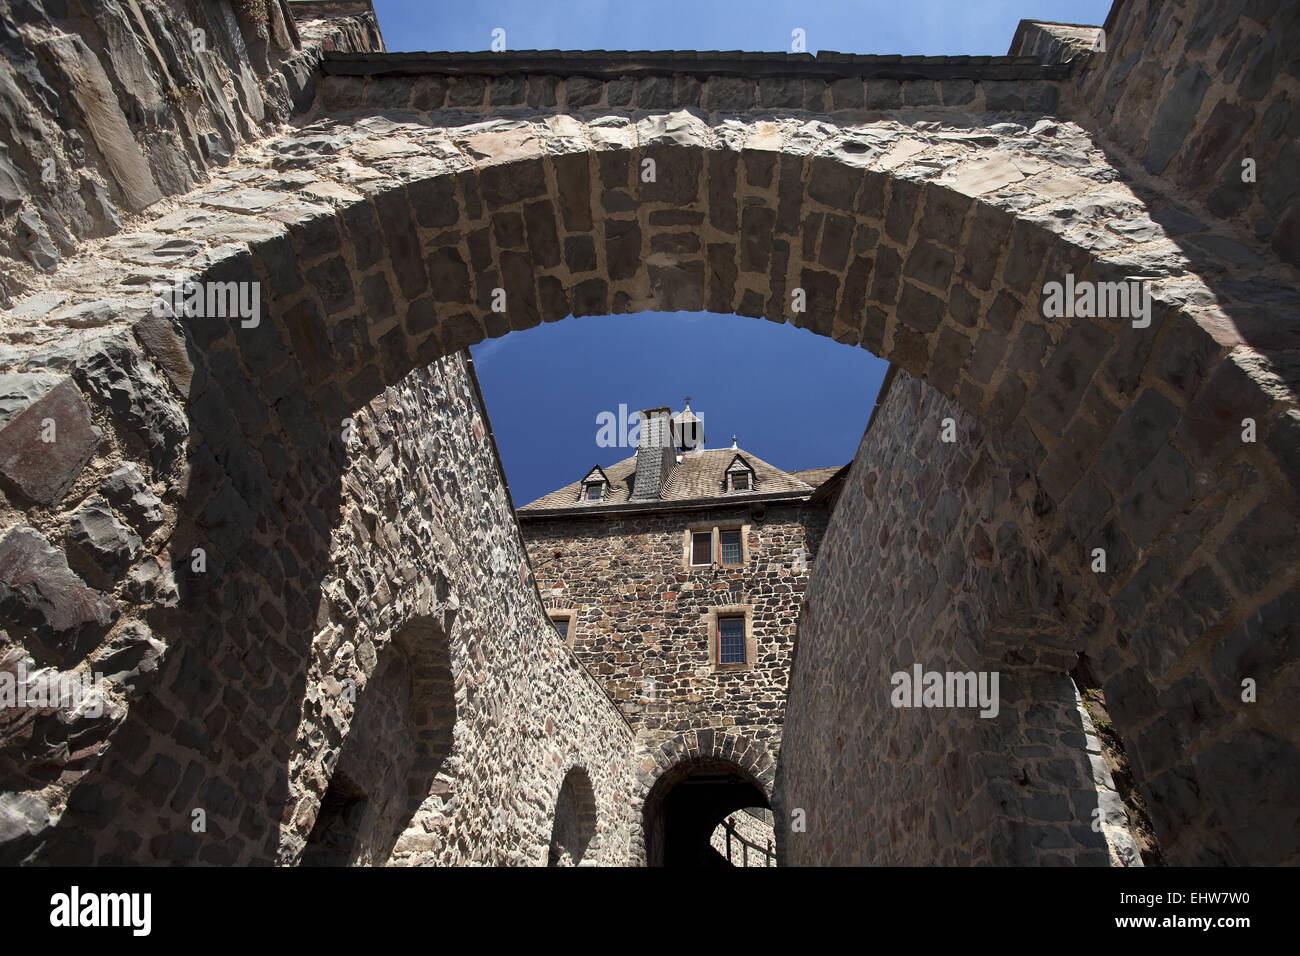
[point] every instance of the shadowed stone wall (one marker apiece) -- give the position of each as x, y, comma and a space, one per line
938, 554
1189, 90
379, 625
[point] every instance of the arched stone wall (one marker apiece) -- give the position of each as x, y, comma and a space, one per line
671, 761
379, 238
941, 554
246, 694
399, 737
575, 820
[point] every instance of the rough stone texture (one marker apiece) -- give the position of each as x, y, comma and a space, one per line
38, 591
640, 623
380, 226
46, 443
989, 577
1191, 90
111, 122
415, 599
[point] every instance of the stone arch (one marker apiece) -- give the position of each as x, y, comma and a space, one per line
380, 237
399, 737
750, 762
686, 804
574, 828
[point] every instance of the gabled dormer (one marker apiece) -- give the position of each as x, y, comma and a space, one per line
594, 487
739, 475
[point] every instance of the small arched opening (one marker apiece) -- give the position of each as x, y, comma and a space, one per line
686, 805
398, 741
575, 820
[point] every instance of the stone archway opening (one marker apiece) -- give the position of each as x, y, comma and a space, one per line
334, 835
686, 805
398, 741
575, 820
380, 234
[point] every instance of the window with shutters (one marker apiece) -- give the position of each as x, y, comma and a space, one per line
701, 548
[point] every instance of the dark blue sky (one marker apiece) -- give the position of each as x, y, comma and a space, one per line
934, 27
793, 398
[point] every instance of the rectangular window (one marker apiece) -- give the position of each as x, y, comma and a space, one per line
701, 547
594, 491
731, 640
740, 481
561, 627
731, 553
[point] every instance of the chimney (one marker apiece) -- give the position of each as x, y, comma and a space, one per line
655, 455
688, 430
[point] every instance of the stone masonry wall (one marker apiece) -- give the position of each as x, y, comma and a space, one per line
640, 612
230, 689
932, 557
1190, 89
640, 624
107, 106
379, 229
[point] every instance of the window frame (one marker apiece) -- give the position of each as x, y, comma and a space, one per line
740, 545
715, 530
586, 490
723, 619
690, 547
568, 615
731, 480
713, 617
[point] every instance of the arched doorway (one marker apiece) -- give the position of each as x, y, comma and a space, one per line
688, 802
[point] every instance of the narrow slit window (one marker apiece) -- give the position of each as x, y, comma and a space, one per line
701, 546
561, 627
731, 640
730, 547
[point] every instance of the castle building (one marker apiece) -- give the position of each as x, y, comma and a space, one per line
676, 577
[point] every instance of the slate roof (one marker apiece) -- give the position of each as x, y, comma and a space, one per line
695, 476
815, 476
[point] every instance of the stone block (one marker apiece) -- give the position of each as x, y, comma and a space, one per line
38, 590
108, 543
46, 435
1136, 438
1067, 374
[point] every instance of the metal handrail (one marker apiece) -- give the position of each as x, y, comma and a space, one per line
768, 852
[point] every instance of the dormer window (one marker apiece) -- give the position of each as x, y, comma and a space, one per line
739, 475
594, 487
